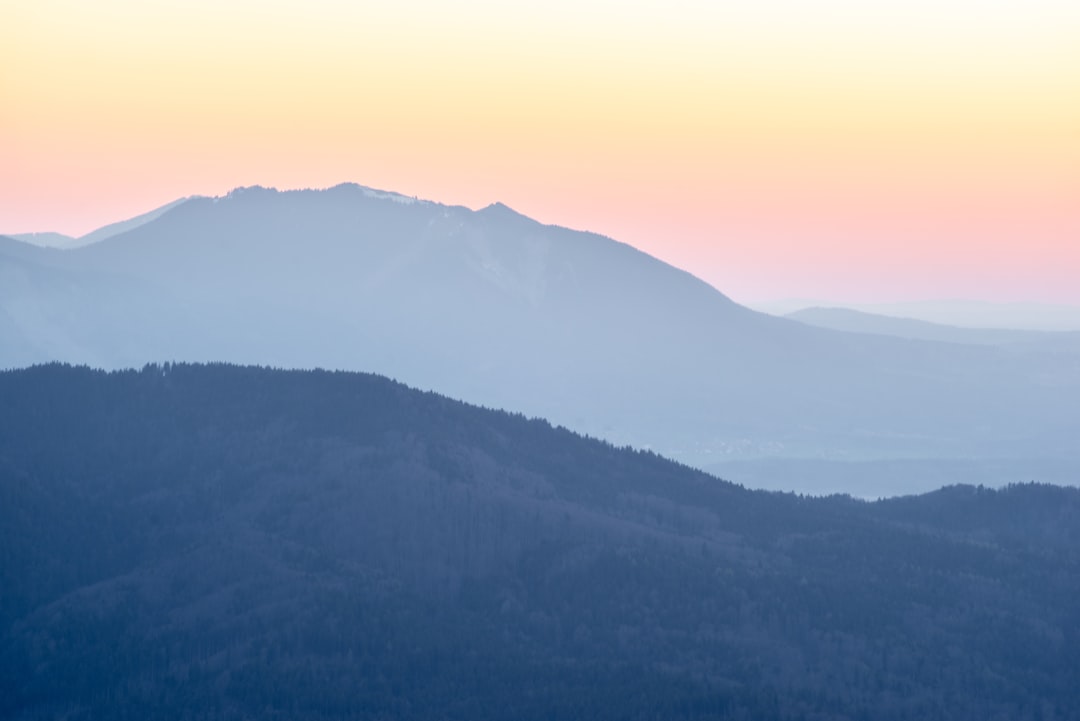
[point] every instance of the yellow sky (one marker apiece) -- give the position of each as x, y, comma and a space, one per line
707, 133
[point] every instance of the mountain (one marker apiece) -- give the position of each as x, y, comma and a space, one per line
855, 321
493, 307
218, 542
46, 239
983, 315
64, 242
48, 311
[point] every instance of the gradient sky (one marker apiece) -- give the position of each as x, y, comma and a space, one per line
837, 149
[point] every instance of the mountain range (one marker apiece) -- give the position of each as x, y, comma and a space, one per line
498, 309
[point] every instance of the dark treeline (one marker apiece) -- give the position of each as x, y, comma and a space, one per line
218, 542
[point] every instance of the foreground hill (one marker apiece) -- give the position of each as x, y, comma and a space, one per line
217, 542
497, 309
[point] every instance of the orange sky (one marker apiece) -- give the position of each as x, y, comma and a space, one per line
832, 149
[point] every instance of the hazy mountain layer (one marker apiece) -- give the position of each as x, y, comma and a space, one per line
225, 543
859, 322
495, 308
1032, 316
46, 239
61, 241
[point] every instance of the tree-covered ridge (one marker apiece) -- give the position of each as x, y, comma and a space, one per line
223, 542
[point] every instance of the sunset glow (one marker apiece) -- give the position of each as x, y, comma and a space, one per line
830, 149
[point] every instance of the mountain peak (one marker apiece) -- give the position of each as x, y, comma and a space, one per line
503, 211
499, 207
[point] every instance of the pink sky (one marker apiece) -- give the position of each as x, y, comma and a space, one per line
833, 149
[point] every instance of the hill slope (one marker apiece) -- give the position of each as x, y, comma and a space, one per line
218, 542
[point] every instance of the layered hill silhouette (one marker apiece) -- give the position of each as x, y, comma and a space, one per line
856, 321
65, 242
217, 542
493, 307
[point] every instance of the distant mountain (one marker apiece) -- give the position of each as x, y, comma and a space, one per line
1050, 317
66, 242
217, 542
48, 311
46, 239
493, 307
854, 321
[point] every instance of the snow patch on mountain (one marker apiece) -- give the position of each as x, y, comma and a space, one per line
393, 197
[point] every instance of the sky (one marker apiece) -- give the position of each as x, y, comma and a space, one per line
848, 150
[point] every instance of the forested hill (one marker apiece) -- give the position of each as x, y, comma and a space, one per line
220, 542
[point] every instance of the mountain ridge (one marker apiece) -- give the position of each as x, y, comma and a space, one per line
959, 312
850, 320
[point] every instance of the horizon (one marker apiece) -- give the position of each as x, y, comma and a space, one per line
881, 151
